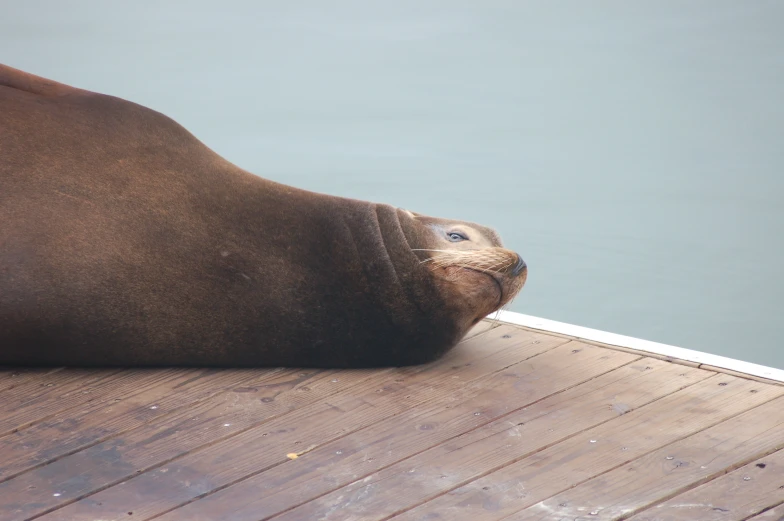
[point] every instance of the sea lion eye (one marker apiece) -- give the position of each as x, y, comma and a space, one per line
456, 237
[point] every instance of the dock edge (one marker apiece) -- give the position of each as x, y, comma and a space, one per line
664, 351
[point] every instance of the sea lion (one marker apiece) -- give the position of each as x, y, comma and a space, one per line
125, 241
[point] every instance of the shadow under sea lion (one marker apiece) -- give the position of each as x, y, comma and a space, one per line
126, 241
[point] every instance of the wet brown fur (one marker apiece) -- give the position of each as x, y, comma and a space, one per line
126, 241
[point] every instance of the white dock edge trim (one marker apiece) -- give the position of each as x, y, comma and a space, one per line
594, 335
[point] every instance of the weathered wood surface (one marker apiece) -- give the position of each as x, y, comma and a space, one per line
744, 492
513, 424
771, 514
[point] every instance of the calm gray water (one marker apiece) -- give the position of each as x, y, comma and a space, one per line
631, 151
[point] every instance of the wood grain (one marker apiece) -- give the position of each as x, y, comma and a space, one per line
512, 424
37, 400
142, 398
744, 492
216, 418
254, 446
774, 514
599, 450
671, 469
519, 471
113, 413
389, 441
483, 450
11, 377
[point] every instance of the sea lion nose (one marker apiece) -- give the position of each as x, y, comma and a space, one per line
519, 267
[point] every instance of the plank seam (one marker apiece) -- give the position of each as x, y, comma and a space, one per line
657, 356
207, 445
652, 451
275, 372
30, 423
501, 417
539, 449
607, 385
720, 473
499, 467
249, 476
766, 509
103, 439
169, 460
11, 385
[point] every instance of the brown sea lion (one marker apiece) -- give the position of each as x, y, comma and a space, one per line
126, 241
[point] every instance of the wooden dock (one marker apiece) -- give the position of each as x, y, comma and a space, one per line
513, 424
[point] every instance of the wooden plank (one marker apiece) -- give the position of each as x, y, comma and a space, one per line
774, 514
657, 356
743, 375
462, 367
681, 466
80, 389
254, 449
145, 396
40, 398
355, 457
211, 420
488, 474
598, 451
11, 377
749, 490
45, 385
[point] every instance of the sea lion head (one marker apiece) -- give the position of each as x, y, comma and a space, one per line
471, 267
